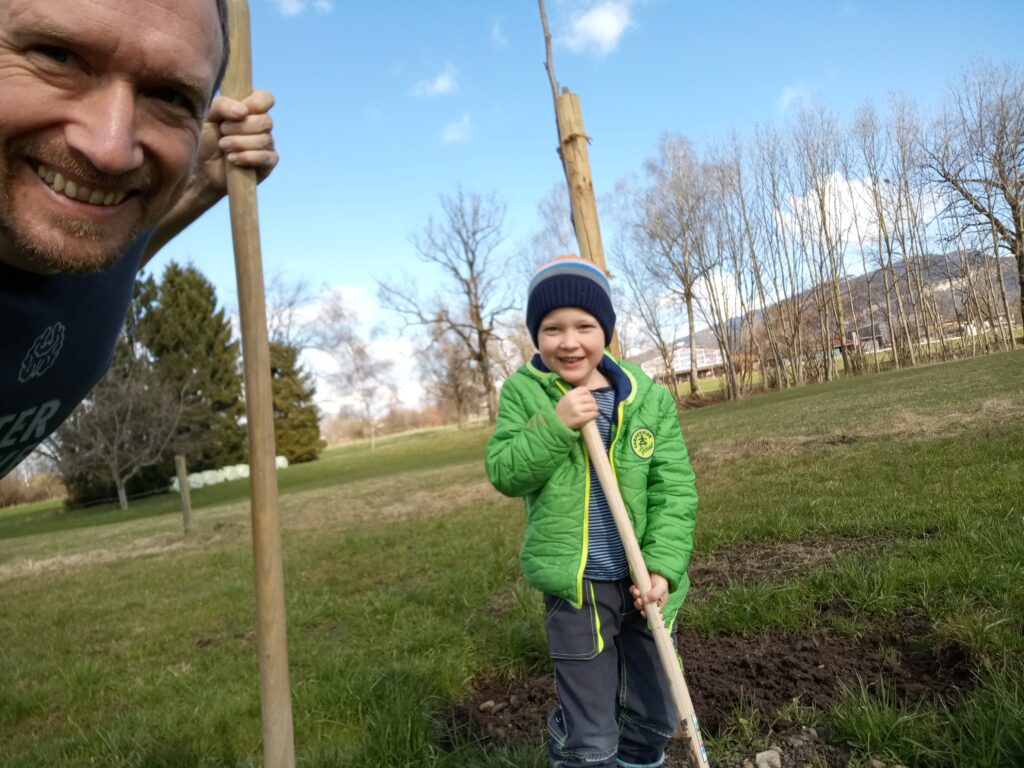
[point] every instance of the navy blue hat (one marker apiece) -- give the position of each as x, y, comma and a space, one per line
569, 281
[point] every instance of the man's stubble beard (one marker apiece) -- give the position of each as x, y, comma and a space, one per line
55, 250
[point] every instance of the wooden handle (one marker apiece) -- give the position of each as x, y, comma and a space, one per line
275, 692
696, 753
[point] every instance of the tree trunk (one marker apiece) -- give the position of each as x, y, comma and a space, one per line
183, 489
122, 494
694, 386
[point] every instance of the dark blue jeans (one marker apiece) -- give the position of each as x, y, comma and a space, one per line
615, 707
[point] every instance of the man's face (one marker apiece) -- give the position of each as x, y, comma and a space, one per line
102, 102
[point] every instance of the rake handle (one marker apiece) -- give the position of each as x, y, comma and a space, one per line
696, 753
275, 691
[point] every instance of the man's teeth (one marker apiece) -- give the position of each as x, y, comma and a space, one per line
75, 191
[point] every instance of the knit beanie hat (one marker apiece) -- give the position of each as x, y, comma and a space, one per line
569, 281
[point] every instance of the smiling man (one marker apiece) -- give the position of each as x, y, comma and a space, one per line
110, 144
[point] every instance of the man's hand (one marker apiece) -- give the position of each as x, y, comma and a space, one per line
658, 593
576, 407
240, 132
237, 132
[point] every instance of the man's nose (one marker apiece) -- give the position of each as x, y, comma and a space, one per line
105, 129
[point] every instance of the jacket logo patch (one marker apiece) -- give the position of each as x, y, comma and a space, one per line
642, 443
44, 353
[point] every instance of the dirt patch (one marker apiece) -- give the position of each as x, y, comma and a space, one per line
767, 672
750, 562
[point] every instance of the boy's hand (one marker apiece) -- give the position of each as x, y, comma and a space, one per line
658, 593
576, 408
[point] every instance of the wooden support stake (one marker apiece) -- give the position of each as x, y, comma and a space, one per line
186, 499
275, 692
576, 157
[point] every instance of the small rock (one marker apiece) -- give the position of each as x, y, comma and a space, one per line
513, 701
877, 763
498, 707
811, 733
487, 706
748, 764
768, 759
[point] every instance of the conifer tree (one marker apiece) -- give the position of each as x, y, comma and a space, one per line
190, 341
296, 426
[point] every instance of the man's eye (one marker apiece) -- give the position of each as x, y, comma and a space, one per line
173, 97
54, 52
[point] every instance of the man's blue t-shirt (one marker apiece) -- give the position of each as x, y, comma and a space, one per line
57, 339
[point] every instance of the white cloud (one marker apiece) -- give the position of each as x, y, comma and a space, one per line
457, 131
442, 85
599, 28
297, 7
498, 33
793, 97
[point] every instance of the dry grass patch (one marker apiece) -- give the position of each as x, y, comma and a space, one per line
423, 493
901, 423
143, 547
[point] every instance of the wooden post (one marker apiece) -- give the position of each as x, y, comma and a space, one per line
186, 500
572, 145
275, 692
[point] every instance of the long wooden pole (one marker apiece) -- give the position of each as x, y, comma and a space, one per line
695, 751
275, 692
572, 149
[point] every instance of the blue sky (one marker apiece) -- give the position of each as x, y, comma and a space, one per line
381, 107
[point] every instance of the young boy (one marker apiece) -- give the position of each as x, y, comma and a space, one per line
614, 703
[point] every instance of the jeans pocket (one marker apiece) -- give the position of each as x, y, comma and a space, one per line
573, 633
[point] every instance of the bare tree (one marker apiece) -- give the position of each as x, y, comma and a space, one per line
452, 381
360, 375
977, 151
784, 273
127, 424
474, 297
515, 347
556, 235
666, 224
657, 315
285, 303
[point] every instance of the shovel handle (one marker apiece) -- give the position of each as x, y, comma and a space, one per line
696, 753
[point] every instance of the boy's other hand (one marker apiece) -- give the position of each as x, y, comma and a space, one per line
576, 407
658, 593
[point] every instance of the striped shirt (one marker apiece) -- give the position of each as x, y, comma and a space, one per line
606, 559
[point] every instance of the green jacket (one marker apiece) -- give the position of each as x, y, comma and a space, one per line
534, 455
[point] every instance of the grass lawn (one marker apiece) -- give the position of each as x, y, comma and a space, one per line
128, 644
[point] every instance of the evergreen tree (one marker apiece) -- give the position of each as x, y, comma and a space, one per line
191, 344
296, 428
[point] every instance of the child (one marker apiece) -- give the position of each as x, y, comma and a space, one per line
614, 703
